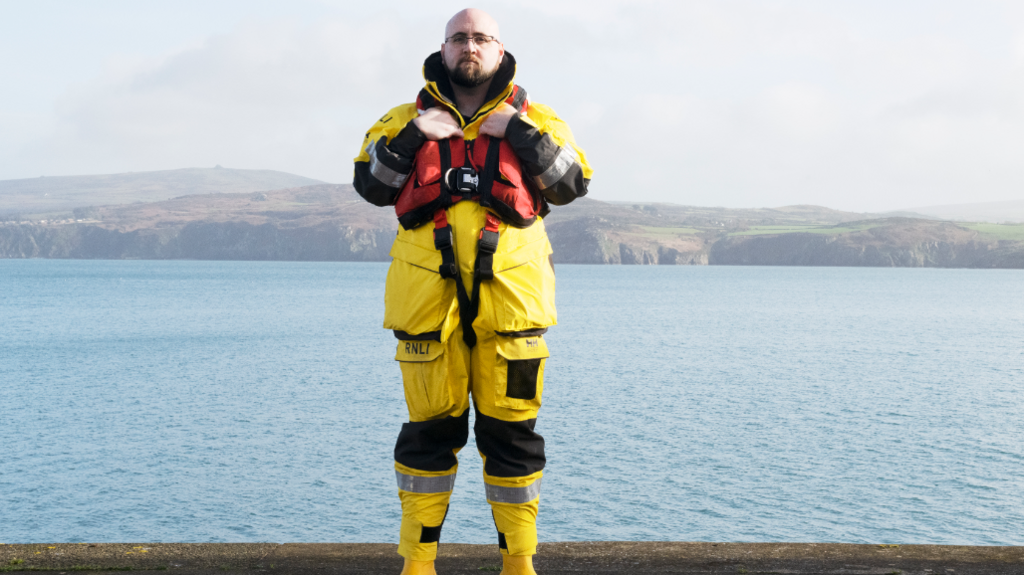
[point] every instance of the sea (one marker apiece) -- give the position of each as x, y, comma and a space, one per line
217, 401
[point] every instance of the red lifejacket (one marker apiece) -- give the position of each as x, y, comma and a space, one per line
501, 184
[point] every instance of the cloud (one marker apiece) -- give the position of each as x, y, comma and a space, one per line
865, 106
747, 103
277, 96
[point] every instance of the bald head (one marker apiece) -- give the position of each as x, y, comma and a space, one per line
472, 21
472, 64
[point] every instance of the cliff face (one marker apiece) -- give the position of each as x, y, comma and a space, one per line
313, 223
593, 240
198, 241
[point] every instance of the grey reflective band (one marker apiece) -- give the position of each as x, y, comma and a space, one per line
417, 484
383, 173
563, 161
499, 494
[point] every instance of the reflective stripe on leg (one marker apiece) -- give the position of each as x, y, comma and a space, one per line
419, 484
503, 494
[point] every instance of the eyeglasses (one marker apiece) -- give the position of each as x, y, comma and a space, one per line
462, 39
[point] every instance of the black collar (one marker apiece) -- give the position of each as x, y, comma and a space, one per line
434, 71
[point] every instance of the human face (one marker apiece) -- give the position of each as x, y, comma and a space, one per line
471, 65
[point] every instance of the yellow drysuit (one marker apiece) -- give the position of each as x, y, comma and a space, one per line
504, 371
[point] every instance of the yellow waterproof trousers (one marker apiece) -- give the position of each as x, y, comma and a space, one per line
503, 373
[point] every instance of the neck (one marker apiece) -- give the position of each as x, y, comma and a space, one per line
469, 100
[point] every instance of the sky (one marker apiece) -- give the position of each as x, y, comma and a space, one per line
858, 105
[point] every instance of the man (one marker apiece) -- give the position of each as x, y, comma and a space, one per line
470, 168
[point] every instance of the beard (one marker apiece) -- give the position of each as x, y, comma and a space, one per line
468, 73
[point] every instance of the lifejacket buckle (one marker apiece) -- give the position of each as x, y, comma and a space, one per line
465, 182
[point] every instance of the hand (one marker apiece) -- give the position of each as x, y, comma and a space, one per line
437, 124
495, 123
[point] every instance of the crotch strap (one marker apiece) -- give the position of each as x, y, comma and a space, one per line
483, 269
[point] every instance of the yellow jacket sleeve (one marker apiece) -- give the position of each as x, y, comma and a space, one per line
386, 156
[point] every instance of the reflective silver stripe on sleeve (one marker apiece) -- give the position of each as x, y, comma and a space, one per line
383, 173
416, 484
563, 161
499, 494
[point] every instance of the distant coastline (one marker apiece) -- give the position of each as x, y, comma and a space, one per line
330, 222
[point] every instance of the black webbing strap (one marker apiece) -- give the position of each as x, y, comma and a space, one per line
442, 231
489, 172
488, 243
443, 243
468, 309
444, 149
450, 270
483, 269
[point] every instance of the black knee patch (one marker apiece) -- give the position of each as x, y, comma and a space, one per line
433, 534
429, 445
512, 448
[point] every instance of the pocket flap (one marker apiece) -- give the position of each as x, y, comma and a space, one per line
416, 255
418, 351
536, 249
514, 348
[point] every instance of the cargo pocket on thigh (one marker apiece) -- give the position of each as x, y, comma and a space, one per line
425, 378
519, 371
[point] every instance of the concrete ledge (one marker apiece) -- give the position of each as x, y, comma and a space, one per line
552, 559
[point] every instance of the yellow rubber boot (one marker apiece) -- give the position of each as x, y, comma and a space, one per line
419, 568
517, 565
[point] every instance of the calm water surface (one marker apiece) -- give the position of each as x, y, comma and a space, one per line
245, 401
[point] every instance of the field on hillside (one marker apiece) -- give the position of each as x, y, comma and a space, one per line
1014, 232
